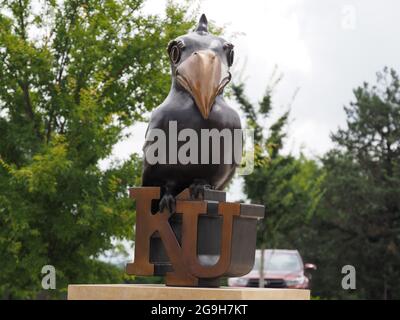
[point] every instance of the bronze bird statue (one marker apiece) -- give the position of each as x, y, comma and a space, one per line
200, 64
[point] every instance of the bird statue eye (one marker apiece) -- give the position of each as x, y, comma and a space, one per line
231, 54
175, 54
175, 48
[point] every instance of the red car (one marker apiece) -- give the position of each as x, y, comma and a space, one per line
282, 269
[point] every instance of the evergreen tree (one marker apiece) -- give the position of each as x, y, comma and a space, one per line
359, 221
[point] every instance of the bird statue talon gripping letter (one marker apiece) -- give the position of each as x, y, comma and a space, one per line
196, 189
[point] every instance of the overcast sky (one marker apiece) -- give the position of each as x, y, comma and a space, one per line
325, 48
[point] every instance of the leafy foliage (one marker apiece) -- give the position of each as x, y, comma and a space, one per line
288, 187
74, 74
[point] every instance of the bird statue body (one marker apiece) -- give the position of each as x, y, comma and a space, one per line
200, 65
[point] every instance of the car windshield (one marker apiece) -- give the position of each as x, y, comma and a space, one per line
279, 262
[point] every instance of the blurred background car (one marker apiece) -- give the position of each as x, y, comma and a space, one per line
282, 269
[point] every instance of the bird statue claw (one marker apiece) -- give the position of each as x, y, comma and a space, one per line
196, 189
167, 202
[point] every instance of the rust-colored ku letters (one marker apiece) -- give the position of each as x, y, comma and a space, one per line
186, 269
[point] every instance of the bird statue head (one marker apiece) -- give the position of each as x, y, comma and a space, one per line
200, 65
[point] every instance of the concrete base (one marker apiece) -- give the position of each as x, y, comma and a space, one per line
161, 292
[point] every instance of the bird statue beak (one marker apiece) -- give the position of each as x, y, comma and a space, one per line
203, 76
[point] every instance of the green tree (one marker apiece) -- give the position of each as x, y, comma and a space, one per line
359, 219
289, 187
73, 75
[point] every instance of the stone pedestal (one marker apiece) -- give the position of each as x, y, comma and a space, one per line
161, 292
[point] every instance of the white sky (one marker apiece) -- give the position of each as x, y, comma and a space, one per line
325, 48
